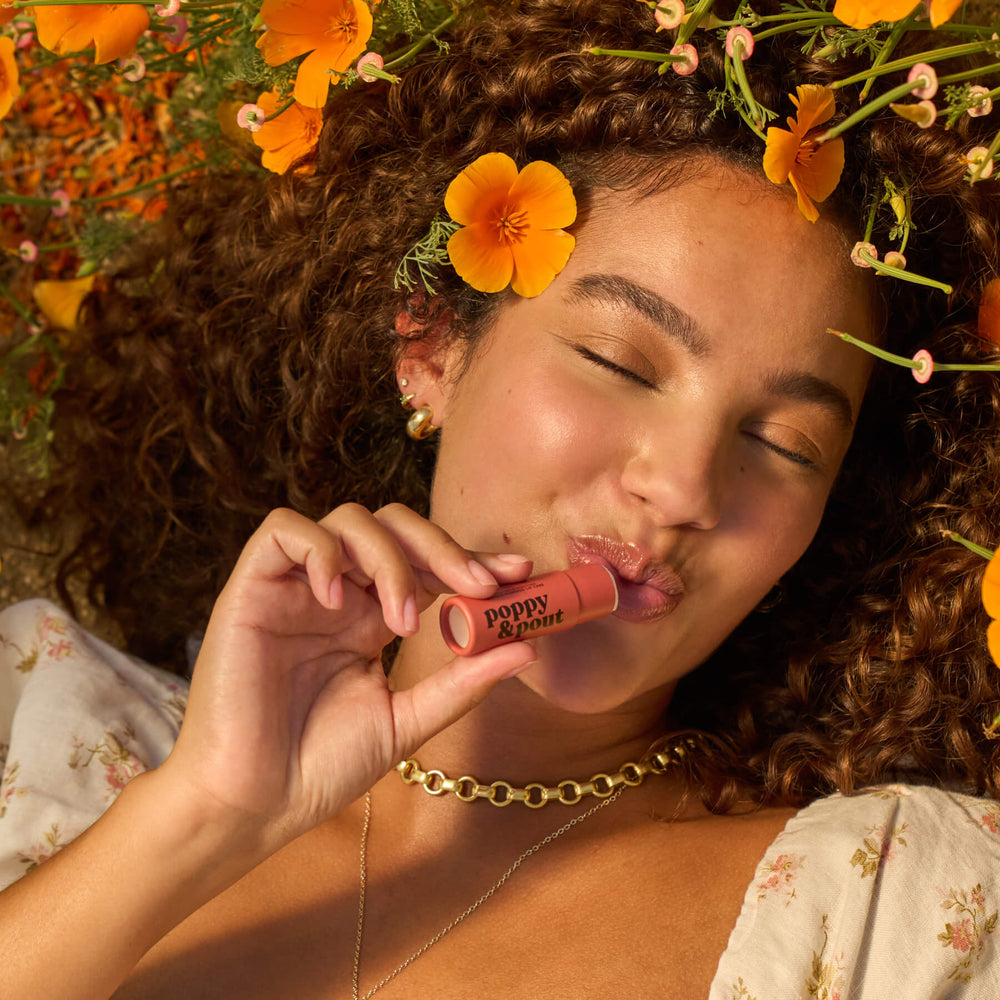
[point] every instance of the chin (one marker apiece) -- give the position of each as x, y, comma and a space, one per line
582, 678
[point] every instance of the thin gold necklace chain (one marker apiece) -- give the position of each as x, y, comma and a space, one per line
475, 906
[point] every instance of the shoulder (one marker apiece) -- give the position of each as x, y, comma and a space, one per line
78, 719
897, 883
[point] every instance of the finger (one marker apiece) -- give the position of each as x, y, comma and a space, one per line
442, 565
290, 544
437, 701
375, 562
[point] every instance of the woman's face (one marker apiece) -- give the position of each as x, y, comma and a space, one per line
671, 406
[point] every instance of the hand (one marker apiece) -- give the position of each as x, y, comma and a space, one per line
290, 716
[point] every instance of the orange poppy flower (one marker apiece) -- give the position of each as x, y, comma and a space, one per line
59, 301
513, 223
335, 32
991, 602
988, 320
794, 155
7, 13
112, 28
864, 13
288, 136
10, 89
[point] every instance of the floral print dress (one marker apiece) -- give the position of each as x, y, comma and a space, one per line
890, 894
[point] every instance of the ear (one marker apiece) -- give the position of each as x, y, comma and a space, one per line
425, 367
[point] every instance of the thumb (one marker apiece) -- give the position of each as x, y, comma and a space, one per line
436, 701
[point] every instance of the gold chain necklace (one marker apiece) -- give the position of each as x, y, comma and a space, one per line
534, 849
606, 787
535, 795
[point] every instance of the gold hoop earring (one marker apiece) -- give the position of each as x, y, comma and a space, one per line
420, 424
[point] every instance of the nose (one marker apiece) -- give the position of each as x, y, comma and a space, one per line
678, 475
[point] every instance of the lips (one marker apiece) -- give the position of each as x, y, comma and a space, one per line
647, 590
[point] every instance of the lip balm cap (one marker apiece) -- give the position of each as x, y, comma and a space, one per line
598, 590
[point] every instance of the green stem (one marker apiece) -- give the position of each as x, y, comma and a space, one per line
870, 224
59, 246
883, 53
801, 24
688, 28
990, 153
421, 43
26, 199
660, 57
898, 359
20, 310
898, 272
19, 4
141, 187
971, 74
934, 55
744, 84
971, 546
869, 109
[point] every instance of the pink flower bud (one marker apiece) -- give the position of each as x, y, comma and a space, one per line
926, 79
178, 29
63, 202
746, 43
977, 155
895, 259
982, 102
167, 9
925, 368
668, 14
28, 251
856, 257
689, 63
251, 117
133, 68
369, 59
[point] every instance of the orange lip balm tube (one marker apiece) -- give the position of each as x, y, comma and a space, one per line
548, 603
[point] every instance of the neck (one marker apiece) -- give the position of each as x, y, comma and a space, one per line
515, 735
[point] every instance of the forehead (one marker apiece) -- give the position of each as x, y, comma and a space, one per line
733, 252
731, 240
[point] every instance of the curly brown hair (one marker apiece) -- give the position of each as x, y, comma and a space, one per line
244, 359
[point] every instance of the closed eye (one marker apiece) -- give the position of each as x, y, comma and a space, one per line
602, 362
792, 456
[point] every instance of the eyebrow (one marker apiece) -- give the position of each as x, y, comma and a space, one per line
810, 389
675, 322
616, 290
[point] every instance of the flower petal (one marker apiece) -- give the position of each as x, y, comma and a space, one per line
478, 184
991, 587
277, 48
942, 10
65, 28
10, 89
779, 154
59, 301
538, 259
864, 13
118, 31
821, 174
300, 17
815, 103
480, 258
989, 313
545, 195
993, 641
806, 207
312, 82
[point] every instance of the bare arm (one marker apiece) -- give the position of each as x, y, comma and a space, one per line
290, 720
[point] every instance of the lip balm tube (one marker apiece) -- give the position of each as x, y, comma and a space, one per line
552, 602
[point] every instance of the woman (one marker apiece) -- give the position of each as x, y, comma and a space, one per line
670, 406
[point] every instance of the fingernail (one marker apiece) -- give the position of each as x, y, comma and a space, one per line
481, 573
411, 617
519, 669
511, 557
